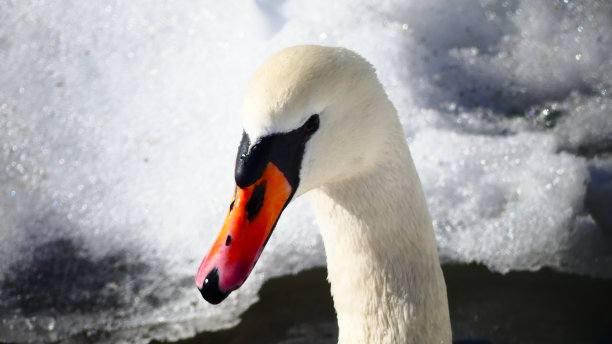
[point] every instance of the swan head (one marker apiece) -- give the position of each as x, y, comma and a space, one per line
338, 86
312, 116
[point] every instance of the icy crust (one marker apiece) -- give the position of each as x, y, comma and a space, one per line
508, 201
119, 123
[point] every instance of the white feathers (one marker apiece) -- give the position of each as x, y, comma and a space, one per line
381, 252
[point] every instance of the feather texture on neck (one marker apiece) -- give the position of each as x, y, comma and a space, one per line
382, 259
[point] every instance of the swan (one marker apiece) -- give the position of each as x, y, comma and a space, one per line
316, 120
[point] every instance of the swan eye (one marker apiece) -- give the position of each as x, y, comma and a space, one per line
311, 125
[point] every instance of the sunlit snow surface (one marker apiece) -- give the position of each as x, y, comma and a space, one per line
119, 123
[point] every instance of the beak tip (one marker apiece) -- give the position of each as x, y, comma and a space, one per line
210, 288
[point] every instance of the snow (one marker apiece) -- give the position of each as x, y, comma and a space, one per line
120, 120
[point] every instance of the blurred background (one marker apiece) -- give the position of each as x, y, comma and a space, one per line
119, 123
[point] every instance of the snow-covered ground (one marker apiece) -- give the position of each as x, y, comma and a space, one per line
119, 123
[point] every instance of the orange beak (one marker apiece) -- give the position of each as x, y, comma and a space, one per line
247, 227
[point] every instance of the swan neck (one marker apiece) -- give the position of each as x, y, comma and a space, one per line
382, 258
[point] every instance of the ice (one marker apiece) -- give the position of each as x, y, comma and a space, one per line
508, 202
119, 123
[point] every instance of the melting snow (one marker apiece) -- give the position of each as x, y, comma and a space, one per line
119, 123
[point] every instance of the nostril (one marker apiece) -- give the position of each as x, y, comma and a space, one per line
254, 205
210, 289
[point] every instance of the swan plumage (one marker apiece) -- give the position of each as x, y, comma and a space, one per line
356, 169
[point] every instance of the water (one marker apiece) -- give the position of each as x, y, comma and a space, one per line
485, 307
119, 123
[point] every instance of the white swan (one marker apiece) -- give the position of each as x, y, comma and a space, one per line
317, 120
